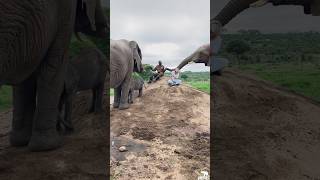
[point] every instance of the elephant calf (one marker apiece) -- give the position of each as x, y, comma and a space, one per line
85, 71
136, 84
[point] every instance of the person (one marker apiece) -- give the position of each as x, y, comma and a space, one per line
160, 69
174, 79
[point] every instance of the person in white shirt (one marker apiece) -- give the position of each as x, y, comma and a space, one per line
174, 79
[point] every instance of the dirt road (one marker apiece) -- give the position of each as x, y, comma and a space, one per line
84, 155
262, 131
166, 133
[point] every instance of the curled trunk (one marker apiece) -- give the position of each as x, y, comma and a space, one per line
201, 55
234, 7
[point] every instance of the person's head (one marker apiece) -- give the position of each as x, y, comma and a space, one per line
160, 63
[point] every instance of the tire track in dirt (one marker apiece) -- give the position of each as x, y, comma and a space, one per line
170, 125
262, 131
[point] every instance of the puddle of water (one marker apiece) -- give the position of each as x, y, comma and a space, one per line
131, 145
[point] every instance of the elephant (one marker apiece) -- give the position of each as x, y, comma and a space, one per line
87, 70
125, 58
201, 55
234, 7
34, 40
136, 84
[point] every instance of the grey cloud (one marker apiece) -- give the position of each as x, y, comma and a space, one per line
181, 23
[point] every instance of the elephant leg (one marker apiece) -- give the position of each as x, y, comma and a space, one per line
93, 100
140, 92
60, 122
117, 95
98, 100
125, 87
50, 84
24, 102
68, 114
130, 97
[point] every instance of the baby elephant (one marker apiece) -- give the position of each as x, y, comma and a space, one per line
136, 84
85, 71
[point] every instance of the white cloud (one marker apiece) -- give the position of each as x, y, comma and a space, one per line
166, 30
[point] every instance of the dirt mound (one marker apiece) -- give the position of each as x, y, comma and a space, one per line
262, 131
84, 155
166, 132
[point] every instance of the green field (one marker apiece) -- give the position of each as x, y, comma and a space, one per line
5, 97
200, 85
302, 78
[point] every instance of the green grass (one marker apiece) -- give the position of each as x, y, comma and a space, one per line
5, 98
303, 79
200, 85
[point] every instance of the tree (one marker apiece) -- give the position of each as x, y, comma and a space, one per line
237, 47
184, 76
147, 71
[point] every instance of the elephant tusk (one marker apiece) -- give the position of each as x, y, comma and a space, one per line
259, 3
190, 62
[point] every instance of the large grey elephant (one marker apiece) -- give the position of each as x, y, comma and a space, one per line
201, 55
234, 7
34, 39
125, 58
87, 70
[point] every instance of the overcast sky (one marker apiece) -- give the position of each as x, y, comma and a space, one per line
167, 30
270, 18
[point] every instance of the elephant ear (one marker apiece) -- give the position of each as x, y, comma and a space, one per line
91, 12
137, 56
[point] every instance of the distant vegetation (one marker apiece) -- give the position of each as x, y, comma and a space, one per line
291, 60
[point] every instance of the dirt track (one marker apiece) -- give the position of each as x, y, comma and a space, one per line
166, 132
84, 155
262, 131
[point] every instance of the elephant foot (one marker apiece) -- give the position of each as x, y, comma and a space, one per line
19, 138
115, 105
45, 140
124, 106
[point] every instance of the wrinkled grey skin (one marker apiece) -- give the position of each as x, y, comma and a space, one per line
201, 55
125, 58
234, 7
136, 84
34, 39
85, 71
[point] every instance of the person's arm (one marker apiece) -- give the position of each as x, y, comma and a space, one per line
169, 69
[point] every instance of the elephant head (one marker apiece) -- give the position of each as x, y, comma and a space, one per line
234, 7
201, 55
137, 56
90, 19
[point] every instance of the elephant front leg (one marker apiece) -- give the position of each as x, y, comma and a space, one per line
125, 87
140, 92
24, 102
97, 99
49, 88
117, 95
68, 114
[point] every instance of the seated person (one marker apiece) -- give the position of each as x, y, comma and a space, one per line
160, 72
174, 79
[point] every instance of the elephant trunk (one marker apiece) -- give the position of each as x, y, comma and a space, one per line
185, 62
232, 9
